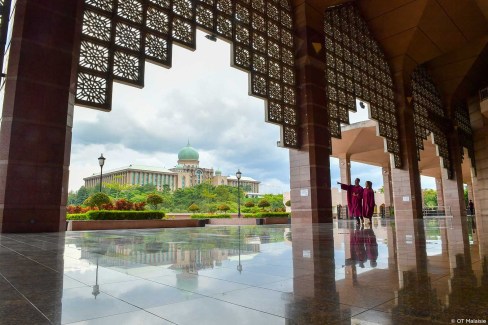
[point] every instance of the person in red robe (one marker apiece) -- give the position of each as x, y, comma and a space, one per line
354, 199
371, 246
368, 201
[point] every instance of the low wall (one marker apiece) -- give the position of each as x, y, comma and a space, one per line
232, 221
248, 221
78, 225
132, 224
276, 220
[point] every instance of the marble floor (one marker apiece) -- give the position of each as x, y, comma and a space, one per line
414, 272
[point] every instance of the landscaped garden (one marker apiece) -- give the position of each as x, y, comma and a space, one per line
203, 201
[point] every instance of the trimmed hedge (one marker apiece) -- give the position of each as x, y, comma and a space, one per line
210, 216
76, 216
117, 215
267, 215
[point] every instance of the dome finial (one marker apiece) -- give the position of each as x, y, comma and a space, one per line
188, 145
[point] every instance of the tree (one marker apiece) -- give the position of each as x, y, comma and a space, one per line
118, 190
193, 208
263, 204
224, 208
82, 195
430, 198
288, 203
97, 200
249, 204
153, 200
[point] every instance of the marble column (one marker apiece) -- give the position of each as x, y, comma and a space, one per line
453, 189
407, 194
345, 170
479, 124
310, 166
387, 188
440, 192
35, 133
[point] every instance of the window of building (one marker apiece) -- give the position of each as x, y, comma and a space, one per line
199, 176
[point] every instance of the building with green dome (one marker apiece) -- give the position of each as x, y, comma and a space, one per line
186, 173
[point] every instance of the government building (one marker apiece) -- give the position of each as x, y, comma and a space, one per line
186, 173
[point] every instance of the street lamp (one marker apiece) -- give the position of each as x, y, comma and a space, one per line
238, 175
101, 162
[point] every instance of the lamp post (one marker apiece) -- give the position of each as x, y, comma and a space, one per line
101, 162
238, 175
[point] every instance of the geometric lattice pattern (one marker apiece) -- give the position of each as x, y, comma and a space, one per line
4, 23
356, 68
119, 35
429, 115
465, 133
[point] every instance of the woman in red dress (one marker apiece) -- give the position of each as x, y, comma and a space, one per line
368, 201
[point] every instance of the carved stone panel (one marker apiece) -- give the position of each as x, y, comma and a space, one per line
356, 68
119, 35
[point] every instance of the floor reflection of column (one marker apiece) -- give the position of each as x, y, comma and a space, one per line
315, 298
416, 298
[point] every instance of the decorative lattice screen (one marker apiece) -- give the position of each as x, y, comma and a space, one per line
356, 68
465, 133
5, 6
119, 35
429, 115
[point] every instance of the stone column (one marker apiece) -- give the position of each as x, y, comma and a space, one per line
310, 166
479, 124
37, 116
440, 191
345, 169
387, 188
407, 197
453, 189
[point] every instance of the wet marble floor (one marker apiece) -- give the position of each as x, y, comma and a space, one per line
423, 272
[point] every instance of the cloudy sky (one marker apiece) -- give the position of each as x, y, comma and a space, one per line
200, 99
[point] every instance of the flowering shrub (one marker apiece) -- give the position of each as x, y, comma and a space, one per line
123, 205
76, 209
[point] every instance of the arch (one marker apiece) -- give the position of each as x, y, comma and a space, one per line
429, 115
199, 175
119, 35
356, 68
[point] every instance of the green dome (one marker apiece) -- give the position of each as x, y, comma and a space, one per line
188, 153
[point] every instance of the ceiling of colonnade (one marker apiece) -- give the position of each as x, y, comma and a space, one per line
362, 144
449, 36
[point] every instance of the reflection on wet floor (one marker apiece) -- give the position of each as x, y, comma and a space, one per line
408, 272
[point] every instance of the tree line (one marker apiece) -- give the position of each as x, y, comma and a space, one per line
202, 198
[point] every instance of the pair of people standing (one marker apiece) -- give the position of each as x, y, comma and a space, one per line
360, 201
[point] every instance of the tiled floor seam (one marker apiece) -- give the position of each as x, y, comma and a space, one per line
26, 299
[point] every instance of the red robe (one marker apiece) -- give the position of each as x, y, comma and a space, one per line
354, 199
368, 203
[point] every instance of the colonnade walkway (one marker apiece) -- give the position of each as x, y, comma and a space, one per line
410, 272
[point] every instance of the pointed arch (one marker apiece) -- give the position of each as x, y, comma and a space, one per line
464, 130
118, 36
356, 68
429, 115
